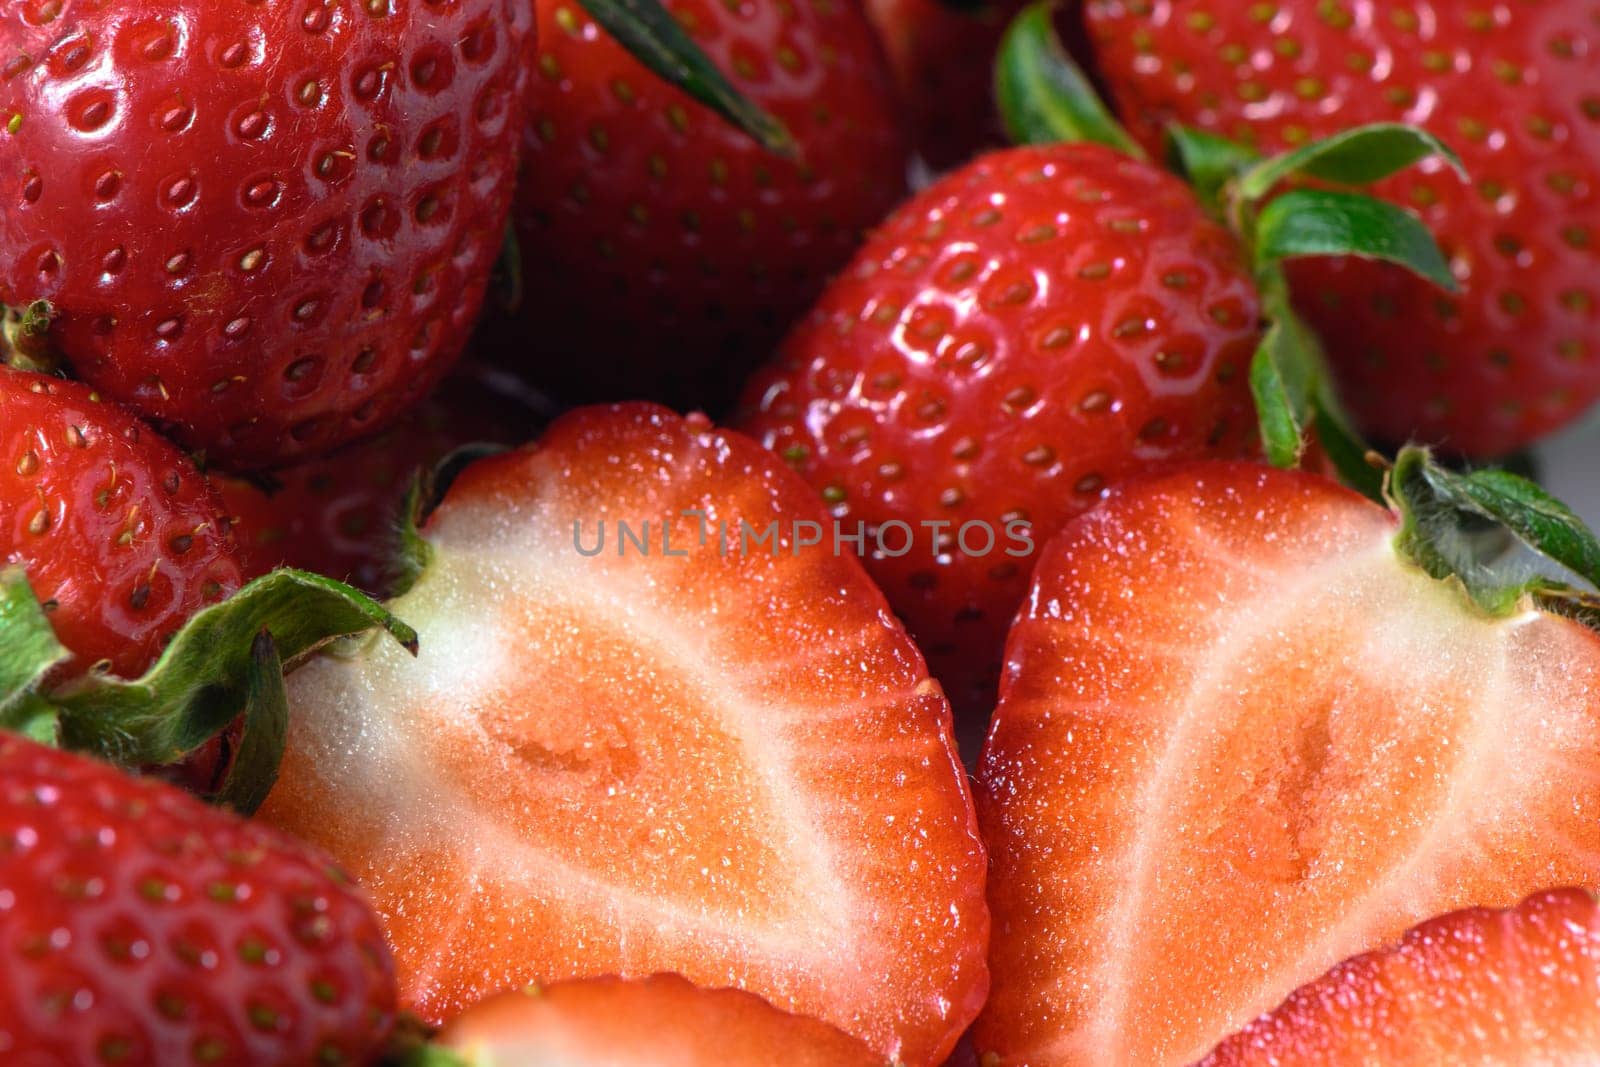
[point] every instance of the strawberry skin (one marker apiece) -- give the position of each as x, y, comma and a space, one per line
943, 62
664, 252
341, 515
1512, 87
1513, 987
143, 927
116, 530
728, 766
1240, 739
267, 229
1021, 335
661, 1020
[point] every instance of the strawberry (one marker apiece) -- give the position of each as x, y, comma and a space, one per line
142, 927
341, 515
267, 229
1479, 986
1021, 335
942, 54
719, 757
1251, 724
661, 1020
1512, 87
683, 248
117, 531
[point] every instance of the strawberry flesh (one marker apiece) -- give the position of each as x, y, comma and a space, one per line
1240, 739
729, 766
1512, 988
661, 1020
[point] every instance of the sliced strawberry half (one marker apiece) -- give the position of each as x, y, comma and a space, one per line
1515, 988
1242, 737
729, 765
661, 1020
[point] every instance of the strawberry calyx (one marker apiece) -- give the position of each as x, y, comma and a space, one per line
1509, 544
1044, 96
227, 661
24, 334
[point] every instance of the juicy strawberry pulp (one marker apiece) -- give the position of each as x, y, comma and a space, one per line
141, 927
730, 765
1018, 337
1512, 87
662, 1021
267, 227
118, 534
1240, 739
665, 251
1507, 987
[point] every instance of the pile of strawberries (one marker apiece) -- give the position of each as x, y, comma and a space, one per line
364, 700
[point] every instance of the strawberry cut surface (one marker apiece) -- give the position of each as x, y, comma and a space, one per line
729, 766
1239, 740
661, 1020
1511, 988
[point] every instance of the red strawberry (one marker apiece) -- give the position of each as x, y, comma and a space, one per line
1480, 986
268, 228
1026, 332
943, 60
1241, 736
663, 251
729, 765
117, 532
341, 515
1513, 88
662, 1020
142, 927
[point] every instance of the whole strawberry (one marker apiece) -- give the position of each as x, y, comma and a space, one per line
663, 251
267, 227
142, 927
1513, 88
117, 532
1023, 334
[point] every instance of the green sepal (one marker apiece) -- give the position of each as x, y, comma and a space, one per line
1043, 95
29, 650
208, 674
253, 769
25, 337
1209, 163
1358, 465
1316, 222
427, 489
1360, 156
649, 32
1439, 508
1283, 403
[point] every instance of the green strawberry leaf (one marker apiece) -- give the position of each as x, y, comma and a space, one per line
1360, 156
1438, 506
1282, 408
208, 674
1307, 222
31, 649
1044, 97
656, 39
254, 768
1359, 467
1209, 163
